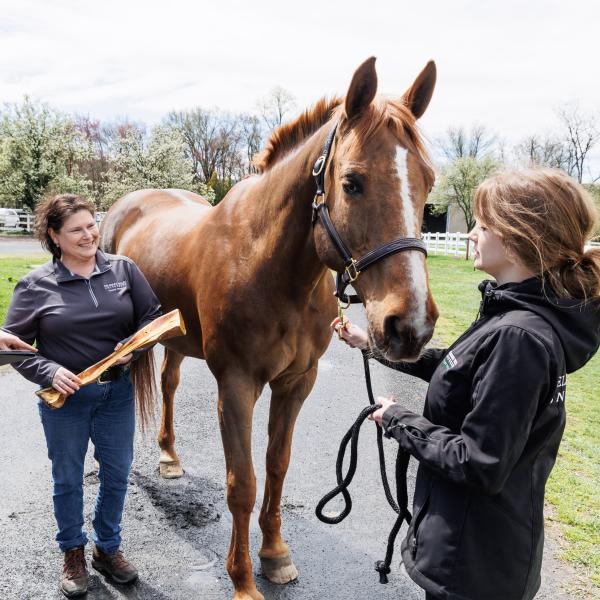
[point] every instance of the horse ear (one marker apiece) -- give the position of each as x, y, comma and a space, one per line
362, 88
419, 94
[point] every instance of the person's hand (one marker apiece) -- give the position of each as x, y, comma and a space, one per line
377, 416
124, 359
65, 382
8, 341
350, 333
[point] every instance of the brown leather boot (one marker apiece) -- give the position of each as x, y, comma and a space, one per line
114, 565
74, 581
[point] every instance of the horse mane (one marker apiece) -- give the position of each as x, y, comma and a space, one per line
288, 136
391, 113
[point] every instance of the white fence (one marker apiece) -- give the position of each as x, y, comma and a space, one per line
25, 224
448, 244
455, 244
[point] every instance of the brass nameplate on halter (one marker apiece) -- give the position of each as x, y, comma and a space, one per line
165, 327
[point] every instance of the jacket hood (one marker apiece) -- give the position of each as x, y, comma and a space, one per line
577, 323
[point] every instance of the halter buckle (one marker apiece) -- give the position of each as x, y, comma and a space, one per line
316, 199
352, 271
319, 165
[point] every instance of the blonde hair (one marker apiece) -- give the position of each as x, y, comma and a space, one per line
545, 219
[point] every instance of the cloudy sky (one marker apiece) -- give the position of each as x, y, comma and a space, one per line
504, 64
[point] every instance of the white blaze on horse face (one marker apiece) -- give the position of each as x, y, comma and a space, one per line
415, 259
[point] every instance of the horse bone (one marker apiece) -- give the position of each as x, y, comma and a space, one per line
165, 327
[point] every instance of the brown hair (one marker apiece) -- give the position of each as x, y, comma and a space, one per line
52, 214
545, 219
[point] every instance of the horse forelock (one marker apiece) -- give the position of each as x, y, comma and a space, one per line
396, 116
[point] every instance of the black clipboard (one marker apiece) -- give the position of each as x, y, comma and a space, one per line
11, 356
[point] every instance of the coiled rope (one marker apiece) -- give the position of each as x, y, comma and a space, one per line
399, 505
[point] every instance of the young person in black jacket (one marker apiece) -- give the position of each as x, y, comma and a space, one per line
494, 413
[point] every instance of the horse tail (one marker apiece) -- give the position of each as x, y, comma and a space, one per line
143, 378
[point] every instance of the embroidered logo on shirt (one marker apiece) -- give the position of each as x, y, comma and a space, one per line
561, 389
113, 287
450, 361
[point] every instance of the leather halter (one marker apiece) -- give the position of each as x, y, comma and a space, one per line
352, 268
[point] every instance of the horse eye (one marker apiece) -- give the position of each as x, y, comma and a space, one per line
352, 187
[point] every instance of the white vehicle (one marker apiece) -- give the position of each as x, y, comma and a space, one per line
9, 218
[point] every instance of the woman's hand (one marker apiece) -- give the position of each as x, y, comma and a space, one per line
8, 341
124, 359
65, 382
377, 416
350, 333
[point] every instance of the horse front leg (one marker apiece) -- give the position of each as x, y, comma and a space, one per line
169, 464
236, 405
289, 393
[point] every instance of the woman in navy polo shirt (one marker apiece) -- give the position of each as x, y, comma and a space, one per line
78, 308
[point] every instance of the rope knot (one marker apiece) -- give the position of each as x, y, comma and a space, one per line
383, 571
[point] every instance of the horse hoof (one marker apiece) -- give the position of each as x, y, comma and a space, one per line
279, 570
170, 470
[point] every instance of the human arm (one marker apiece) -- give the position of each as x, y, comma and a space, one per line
423, 367
146, 308
8, 341
22, 321
505, 400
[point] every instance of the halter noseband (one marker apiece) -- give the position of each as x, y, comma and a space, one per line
352, 268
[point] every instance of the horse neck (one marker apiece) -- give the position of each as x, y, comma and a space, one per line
286, 192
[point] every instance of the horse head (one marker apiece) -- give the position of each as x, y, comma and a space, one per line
376, 180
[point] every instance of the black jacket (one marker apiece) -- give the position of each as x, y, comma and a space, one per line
493, 419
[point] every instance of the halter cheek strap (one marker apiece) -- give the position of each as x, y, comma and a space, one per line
352, 268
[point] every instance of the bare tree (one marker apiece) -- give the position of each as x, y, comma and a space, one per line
253, 138
460, 143
201, 130
99, 137
544, 151
276, 106
582, 133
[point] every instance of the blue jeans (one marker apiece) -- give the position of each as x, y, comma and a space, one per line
104, 413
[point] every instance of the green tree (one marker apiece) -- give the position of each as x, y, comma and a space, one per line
594, 191
40, 153
157, 162
457, 184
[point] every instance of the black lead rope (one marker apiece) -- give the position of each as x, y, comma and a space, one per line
400, 507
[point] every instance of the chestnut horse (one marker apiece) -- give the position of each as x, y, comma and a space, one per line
252, 279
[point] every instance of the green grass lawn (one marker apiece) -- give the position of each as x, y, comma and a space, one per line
573, 491
11, 270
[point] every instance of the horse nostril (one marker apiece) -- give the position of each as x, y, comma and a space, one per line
402, 336
394, 331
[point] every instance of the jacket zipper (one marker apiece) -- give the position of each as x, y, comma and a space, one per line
480, 318
89, 287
